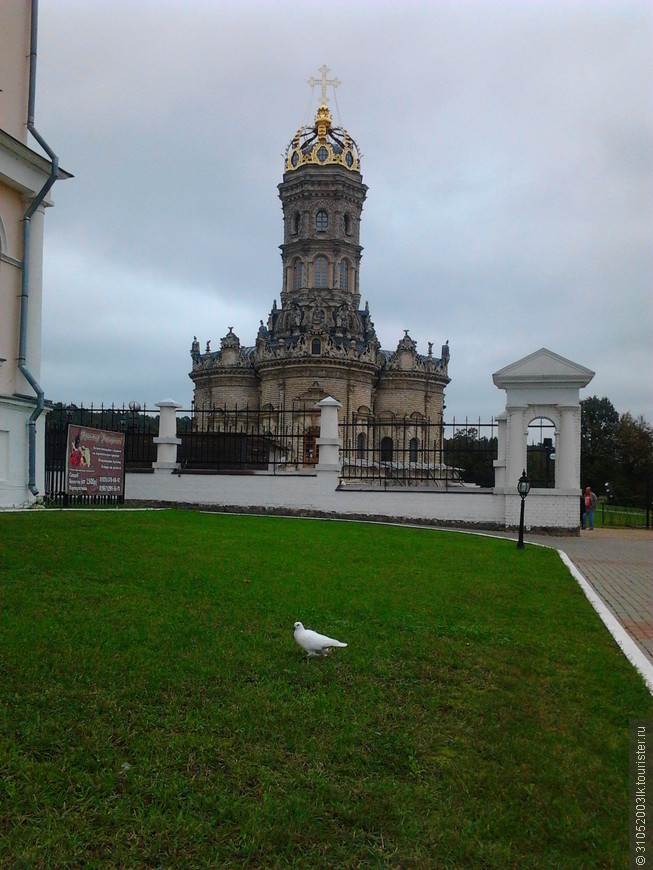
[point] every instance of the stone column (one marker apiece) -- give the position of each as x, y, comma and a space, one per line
568, 448
516, 447
500, 462
167, 442
329, 440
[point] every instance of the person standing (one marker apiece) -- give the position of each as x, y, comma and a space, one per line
590, 503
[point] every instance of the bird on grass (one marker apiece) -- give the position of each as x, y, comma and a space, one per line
315, 644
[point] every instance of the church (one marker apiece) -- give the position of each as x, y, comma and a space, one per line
320, 341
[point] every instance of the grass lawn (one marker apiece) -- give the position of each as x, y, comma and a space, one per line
156, 712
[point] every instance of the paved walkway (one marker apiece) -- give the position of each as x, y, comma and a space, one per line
618, 565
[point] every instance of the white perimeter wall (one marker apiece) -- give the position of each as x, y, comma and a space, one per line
319, 492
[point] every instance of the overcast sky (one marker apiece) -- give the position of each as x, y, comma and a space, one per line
507, 147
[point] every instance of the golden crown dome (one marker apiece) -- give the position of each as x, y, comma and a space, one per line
322, 144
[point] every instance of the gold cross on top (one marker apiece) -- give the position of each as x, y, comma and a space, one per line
323, 82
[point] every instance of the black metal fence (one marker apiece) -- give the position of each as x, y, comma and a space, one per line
245, 440
213, 440
377, 451
139, 426
614, 516
409, 451
414, 451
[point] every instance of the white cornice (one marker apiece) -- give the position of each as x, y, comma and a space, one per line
23, 169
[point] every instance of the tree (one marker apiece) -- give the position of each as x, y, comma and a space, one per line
616, 450
472, 455
633, 473
599, 422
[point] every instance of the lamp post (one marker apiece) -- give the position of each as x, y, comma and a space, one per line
523, 488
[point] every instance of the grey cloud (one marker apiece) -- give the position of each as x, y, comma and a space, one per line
506, 148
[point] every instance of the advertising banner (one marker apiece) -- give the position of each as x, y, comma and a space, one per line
94, 462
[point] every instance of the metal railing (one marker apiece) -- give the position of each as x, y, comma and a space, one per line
140, 427
245, 440
415, 451
213, 440
615, 516
378, 451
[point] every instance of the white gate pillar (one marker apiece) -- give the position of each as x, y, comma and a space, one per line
543, 384
167, 442
329, 440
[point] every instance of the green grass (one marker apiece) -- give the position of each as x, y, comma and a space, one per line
156, 712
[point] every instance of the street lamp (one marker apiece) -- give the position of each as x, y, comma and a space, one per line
523, 488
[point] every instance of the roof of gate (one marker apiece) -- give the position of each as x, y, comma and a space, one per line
543, 368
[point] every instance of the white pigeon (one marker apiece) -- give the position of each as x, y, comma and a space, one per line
315, 644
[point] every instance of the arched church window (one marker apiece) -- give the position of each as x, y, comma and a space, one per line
316, 347
296, 222
320, 271
296, 274
386, 449
321, 221
344, 275
413, 449
360, 446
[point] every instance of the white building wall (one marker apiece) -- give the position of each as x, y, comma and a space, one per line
14, 415
14, 66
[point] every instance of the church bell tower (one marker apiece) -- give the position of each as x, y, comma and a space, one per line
322, 195
320, 341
